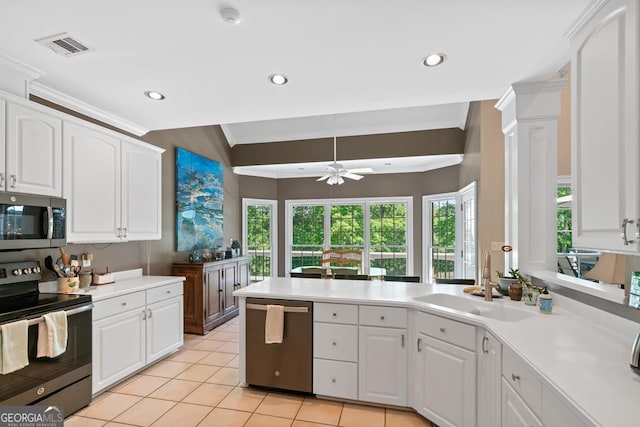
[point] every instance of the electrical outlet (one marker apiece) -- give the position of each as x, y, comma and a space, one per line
496, 246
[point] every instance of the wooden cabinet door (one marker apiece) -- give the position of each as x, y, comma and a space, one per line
141, 192
243, 275
489, 351
446, 388
382, 365
213, 293
33, 152
164, 328
91, 185
193, 305
229, 272
118, 347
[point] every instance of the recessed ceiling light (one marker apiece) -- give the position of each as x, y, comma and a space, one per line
231, 16
434, 59
156, 96
278, 79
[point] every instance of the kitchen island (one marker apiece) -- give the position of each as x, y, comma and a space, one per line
567, 368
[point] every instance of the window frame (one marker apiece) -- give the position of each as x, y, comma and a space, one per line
273, 204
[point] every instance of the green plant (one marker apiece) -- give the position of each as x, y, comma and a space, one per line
235, 244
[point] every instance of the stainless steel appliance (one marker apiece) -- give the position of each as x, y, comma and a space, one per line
63, 381
287, 366
29, 222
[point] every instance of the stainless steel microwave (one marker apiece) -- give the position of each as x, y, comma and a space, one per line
30, 222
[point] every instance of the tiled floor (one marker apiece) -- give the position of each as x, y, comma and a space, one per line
198, 386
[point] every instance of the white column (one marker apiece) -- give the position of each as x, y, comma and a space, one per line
530, 114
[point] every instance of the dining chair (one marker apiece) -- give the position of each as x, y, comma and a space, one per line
340, 257
306, 275
441, 281
413, 279
351, 276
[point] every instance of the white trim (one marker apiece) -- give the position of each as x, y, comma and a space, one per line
273, 204
606, 292
585, 16
426, 227
469, 191
82, 107
564, 180
20, 68
226, 130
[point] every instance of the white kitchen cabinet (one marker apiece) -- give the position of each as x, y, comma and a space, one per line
382, 365
33, 150
555, 413
516, 413
605, 131
112, 186
133, 330
446, 382
489, 352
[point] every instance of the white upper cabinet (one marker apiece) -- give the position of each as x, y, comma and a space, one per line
605, 138
33, 149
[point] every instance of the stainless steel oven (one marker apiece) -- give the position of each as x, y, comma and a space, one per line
63, 381
28, 222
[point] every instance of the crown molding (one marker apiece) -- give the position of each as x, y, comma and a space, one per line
75, 104
19, 68
586, 15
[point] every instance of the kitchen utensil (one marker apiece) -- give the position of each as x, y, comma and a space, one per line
74, 262
48, 263
64, 257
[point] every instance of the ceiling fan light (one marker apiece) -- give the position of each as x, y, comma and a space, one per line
340, 180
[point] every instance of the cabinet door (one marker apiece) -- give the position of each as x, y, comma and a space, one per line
229, 273
515, 412
91, 184
164, 328
141, 192
604, 148
213, 293
382, 365
193, 304
34, 152
489, 351
118, 347
446, 384
556, 413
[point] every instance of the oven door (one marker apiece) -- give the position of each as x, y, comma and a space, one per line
44, 377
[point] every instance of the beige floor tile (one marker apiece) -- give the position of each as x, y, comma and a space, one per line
208, 345
208, 394
117, 387
166, 368
220, 417
217, 359
76, 421
320, 411
175, 390
280, 405
300, 423
405, 419
142, 385
242, 399
362, 416
112, 424
230, 327
259, 420
229, 347
226, 376
145, 412
183, 415
109, 407
189, 356
223, 336
234, 363
198, 373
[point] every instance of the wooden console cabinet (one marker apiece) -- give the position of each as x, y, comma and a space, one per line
208, 291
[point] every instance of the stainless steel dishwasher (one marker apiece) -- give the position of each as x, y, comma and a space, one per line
286, 366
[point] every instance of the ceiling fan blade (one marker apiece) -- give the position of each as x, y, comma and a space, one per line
360, 170
352, 176
323, 178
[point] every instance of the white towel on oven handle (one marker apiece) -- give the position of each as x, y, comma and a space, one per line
14, 353
52, 334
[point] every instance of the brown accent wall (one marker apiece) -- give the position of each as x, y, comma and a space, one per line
402, 144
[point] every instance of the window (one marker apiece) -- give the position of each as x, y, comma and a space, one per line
377, 227
450, 235
260, 237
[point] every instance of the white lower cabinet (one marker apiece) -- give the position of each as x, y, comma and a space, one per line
555, 413
335, 379
133, 330
489, 351
515, 412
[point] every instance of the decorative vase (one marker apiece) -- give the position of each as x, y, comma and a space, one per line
515, 292
530, 296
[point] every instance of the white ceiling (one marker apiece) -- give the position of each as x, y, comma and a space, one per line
350, 59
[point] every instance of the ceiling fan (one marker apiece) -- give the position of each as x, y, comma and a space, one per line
336, 171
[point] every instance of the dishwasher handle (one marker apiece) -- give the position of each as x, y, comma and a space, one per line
287, 309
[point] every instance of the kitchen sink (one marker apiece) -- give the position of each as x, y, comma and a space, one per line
479, 308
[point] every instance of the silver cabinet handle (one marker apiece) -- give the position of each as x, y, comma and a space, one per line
125, 232
484, 341
443, 330
419, 344
638, 228
334, 344
13, 181
515, 377
623, 231
333, 380
119, 232
2, 180
335, 314
168, 292
144, 315
124, 303
402, 341
150, 313
382, 318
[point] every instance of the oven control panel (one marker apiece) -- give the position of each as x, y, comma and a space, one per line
17, 272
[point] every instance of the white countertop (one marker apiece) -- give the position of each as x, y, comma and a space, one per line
580, 351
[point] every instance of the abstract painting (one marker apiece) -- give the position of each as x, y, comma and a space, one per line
199, 202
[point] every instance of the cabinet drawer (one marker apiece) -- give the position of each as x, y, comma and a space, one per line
335, 379
164, 292
117, 305
336, 342
447, 330
392, 317
523, 379
515, 411
335, 313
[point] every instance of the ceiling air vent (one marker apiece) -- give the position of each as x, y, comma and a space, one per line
65, 45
